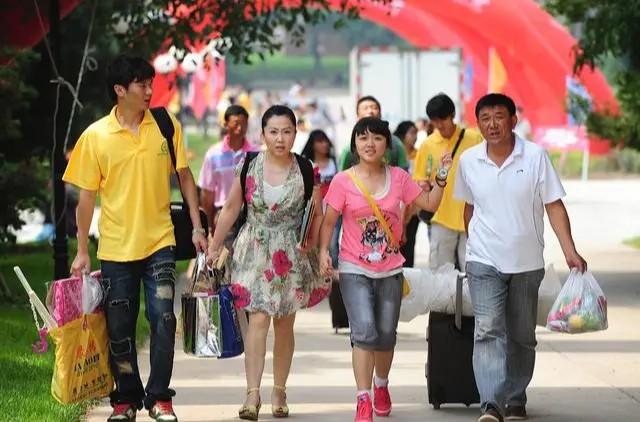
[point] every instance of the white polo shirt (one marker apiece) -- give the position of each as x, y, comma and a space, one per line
507, 227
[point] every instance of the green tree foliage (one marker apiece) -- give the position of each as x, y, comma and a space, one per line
27, 97
22, 179
609, 28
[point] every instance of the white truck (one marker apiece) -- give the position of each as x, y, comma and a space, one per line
403, 80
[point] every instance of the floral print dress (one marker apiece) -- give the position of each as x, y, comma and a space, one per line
267, 273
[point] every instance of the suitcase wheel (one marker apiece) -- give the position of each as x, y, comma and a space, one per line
467, 404
436, 406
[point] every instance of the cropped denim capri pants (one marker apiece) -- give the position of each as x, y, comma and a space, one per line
373, 307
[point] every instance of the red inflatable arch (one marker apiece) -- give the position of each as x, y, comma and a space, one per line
535, 49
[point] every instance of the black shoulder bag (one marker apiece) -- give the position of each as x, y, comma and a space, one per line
426, 216
180, 217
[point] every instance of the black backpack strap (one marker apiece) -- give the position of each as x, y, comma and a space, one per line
306, 168
249, 156
164, 122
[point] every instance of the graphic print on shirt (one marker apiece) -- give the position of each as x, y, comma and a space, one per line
374, 240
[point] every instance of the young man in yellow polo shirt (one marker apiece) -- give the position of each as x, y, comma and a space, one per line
447, 238
125, 158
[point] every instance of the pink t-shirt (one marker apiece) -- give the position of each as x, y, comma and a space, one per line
218, 168
364, 240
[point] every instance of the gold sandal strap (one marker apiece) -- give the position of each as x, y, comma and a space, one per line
278, 387
252, 390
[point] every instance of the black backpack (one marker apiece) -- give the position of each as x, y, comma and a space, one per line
307, 175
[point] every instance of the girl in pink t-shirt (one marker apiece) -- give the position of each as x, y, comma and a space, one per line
370, 262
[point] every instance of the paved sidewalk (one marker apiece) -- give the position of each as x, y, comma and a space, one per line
589, 377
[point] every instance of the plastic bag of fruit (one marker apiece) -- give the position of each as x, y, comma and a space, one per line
580, 307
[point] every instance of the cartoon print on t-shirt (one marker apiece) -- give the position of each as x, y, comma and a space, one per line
374, 237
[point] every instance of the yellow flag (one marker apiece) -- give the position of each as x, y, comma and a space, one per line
497, 73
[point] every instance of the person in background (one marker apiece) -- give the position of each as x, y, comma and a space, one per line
407, 132
125, 158
370, 266
506, 184
423, 132
302, 136
271, 276
523, 127
218, 168
396, 155
447, 238
319, 150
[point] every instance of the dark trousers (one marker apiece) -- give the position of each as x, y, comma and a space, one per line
408, 249
122, 304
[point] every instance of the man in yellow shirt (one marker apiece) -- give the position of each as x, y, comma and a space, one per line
125, 158
447, 238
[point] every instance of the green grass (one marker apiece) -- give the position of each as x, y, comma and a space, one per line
25, 377
633, 242
198, 146
290, 68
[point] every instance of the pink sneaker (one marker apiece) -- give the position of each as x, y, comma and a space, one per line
381, 401
364, 411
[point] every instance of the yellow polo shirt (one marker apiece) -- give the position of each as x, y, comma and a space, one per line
131, 174
450, 213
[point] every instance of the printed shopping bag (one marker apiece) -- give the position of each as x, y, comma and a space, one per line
81, 370
201, 319
232, 344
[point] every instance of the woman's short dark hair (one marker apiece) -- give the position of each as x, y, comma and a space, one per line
370, 125
315, 136
403, 128
126, 69
277, 111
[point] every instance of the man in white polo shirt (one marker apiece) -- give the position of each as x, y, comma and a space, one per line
507, 183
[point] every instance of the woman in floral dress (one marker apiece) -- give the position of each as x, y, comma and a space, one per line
272, 276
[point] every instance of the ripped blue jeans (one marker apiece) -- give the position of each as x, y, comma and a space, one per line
122, 304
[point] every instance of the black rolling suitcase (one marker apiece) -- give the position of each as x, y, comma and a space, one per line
449, 368
339, 317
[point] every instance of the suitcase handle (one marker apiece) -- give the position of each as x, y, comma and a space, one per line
458, 310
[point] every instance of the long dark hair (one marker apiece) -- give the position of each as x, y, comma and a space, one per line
315, 136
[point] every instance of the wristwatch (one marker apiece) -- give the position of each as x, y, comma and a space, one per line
442, 174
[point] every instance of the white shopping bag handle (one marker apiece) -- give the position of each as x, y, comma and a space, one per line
35, 300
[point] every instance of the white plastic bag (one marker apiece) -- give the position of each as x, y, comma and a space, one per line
415, 303
581, 306
549, 290
91, 294
433, 291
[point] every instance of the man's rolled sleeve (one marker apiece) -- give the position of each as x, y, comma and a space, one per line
83, 168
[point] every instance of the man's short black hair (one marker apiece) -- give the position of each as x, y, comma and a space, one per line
368, 98
126, 69
235, 110
440, 107
496, 100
